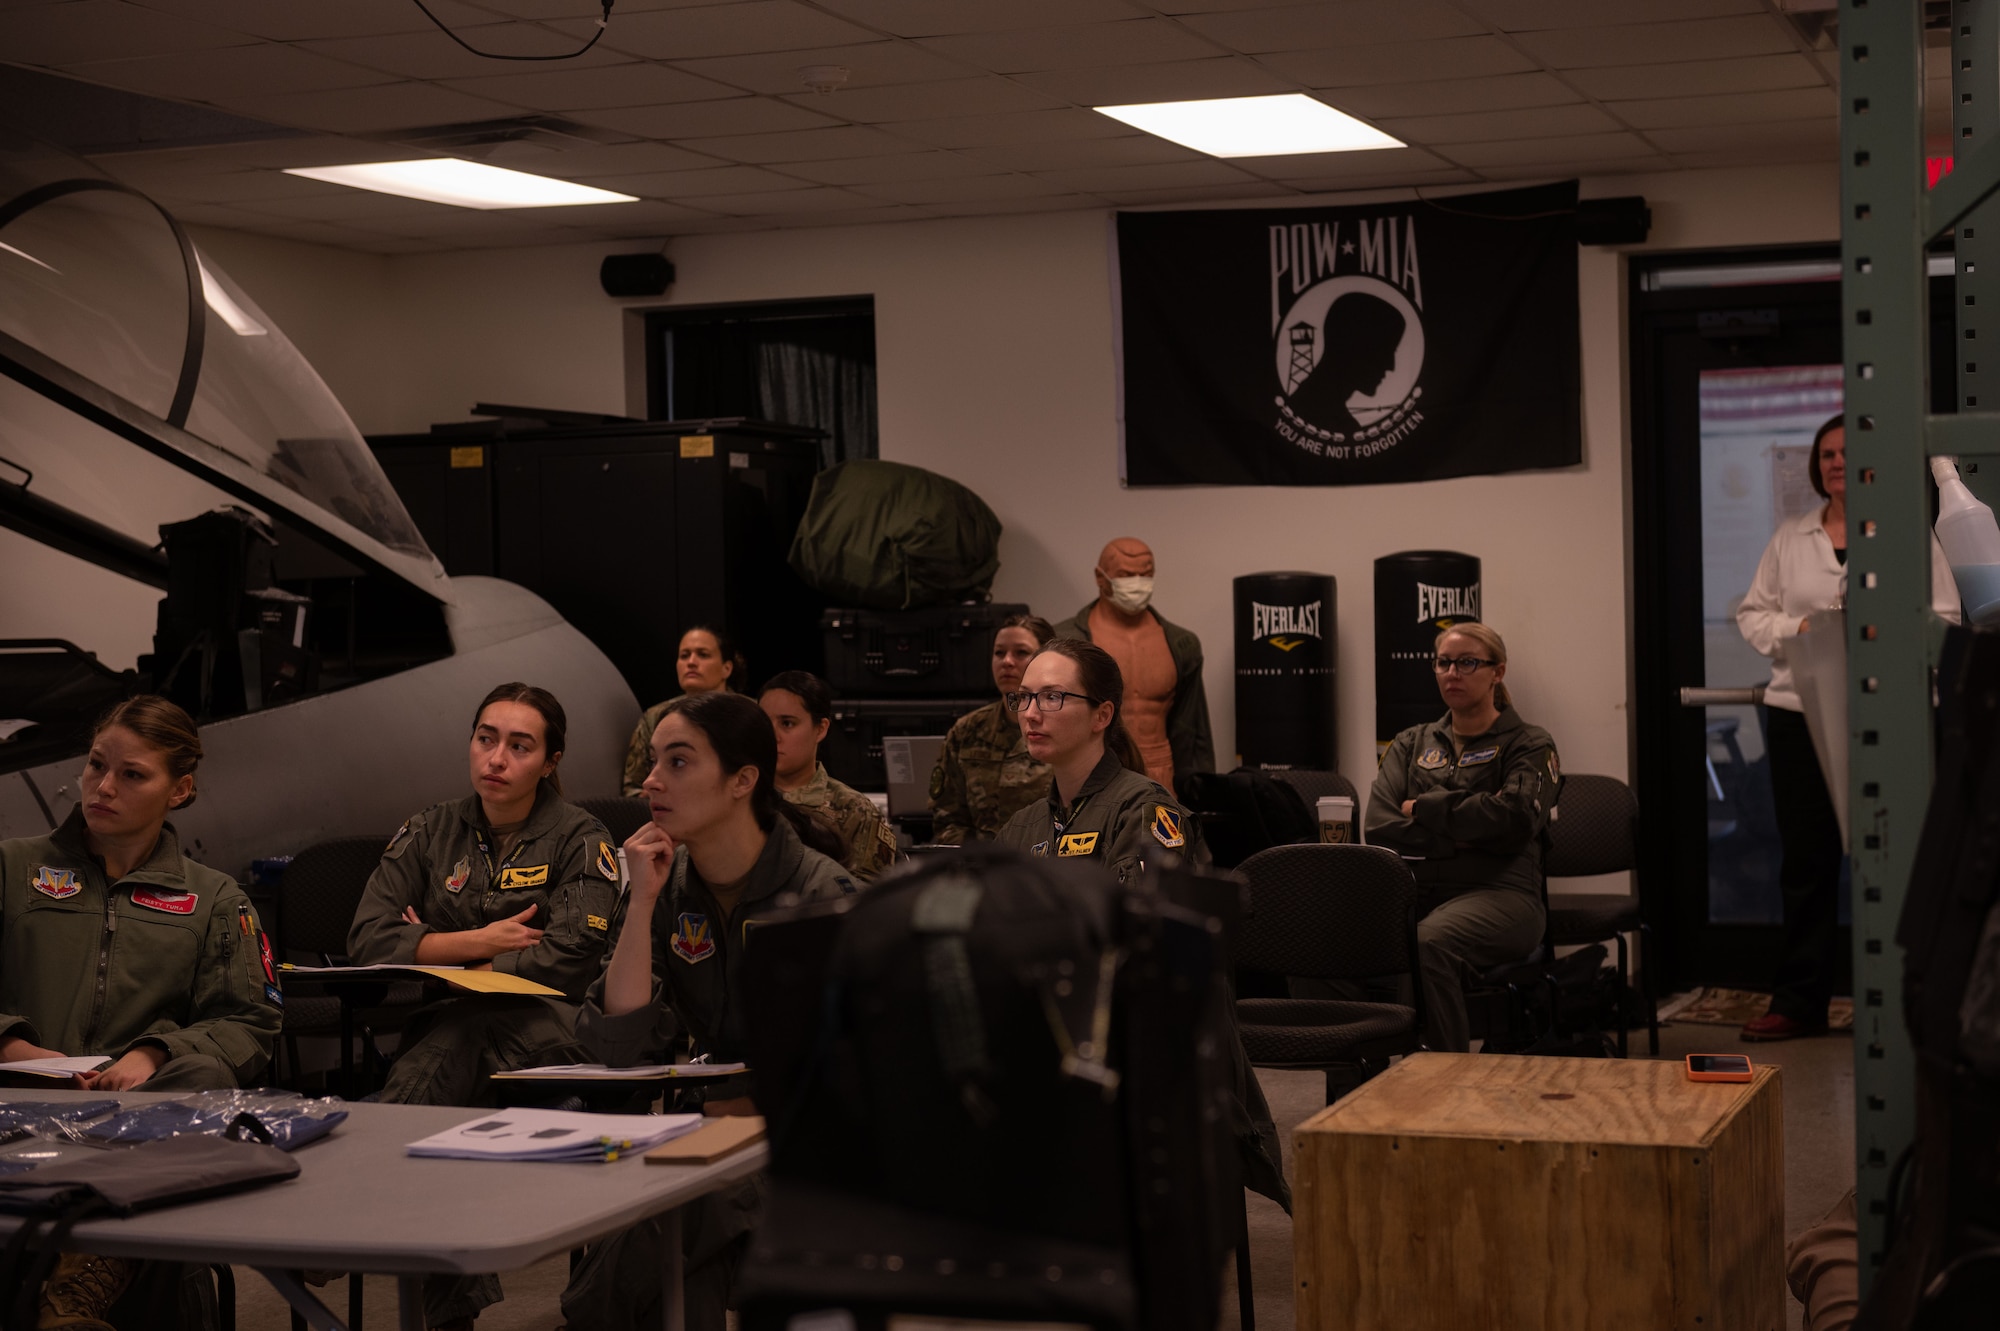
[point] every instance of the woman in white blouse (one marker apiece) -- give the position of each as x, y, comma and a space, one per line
1804, 569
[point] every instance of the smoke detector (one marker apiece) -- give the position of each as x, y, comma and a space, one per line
824, 79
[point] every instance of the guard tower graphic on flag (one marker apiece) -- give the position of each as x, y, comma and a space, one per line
1302, 356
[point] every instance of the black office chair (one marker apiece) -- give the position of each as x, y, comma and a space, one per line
1343, 913
1315, 786
621, 816
1594, 829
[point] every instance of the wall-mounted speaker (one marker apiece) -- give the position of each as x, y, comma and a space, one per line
1624, 220
626, 275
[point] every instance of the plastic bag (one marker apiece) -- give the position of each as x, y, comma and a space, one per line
282, 1119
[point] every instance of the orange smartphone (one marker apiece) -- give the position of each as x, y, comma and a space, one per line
1718, 1067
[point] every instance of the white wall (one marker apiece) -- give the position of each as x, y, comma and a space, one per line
994, 344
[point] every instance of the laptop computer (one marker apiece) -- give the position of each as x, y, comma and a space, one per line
910, 760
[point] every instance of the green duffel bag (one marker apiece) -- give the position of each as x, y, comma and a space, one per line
886, 536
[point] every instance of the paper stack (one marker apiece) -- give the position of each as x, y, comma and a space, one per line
642, 1072
552, 1134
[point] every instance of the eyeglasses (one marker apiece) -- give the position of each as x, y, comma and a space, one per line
1051, 700
1464, 665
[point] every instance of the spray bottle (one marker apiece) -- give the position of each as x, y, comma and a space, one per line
1971, 541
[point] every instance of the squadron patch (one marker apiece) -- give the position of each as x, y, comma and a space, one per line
166, 899
264, 955
57, 883
693, 940
459, 873
1433, 759
1039, 848
1485, 755
1077, 843
1166, 828
607, 861
534, 876
274, 996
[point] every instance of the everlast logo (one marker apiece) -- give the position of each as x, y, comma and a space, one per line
1267, 621
1435, 603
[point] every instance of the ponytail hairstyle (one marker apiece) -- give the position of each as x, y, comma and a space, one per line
1102, 681
555, 725
161, 725
738, 678
741, 735
1038, 628
1489, 642
807, 687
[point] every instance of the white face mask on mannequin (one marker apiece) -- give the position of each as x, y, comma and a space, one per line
1131, 595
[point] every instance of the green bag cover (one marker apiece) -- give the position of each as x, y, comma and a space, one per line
886, 536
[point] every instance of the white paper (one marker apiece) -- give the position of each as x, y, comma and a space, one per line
378, 966
551, 1134
601, 1072
56, 1067
12, 726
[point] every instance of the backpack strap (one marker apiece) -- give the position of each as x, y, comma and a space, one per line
943, 913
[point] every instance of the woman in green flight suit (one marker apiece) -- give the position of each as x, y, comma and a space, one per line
1101, 804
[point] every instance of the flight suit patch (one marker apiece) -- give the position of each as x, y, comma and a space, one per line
1433, 759
1485, 755
1077, 843
166, 899
58, 883
597, 922
533, 876
693, 940
607, 861
1167, 829
1555, 771
1039, 848
459, 873
397, 843
264, 955
274, 996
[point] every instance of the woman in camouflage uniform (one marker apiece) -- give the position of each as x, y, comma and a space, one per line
985, 774
707, 661
800, 706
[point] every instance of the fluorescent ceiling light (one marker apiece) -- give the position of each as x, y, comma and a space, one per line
1254, 126
460, 184
226, 308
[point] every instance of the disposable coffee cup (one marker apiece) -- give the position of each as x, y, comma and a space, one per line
1336, 819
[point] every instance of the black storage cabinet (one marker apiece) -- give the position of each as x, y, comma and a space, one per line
945, 651
852, 750
634, 531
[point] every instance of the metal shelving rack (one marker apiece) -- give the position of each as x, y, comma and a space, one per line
1887, 221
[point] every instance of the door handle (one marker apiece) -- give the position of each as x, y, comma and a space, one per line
1698, 697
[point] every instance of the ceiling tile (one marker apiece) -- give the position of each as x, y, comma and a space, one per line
1647, 163
1028, 127
1128, 150
930, 101
65, 34
320, 233
1391, 180
1770, 155
737, 115
739, 29
638, 84
932, 18
1400, 62
806, 145
1505, 92
1161, 175
897, 167
1077, 46
1260, 189
372, 110
818, 199
1587, 147
624, 219
560, 9
335, 203
1821, 135
429, 54
615, 159
869, 65
1655, 43
1327, 166
217, 214
1181, 80
958, 191
218, 75
1697, 78
239, 187
1733, 109
1053, 203
693, 184
1527, 15
1533, 123
300, 20
1335, 23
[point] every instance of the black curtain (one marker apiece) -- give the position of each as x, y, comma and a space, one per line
817, 372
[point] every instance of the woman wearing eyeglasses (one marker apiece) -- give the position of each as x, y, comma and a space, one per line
1465, 799
1101, 804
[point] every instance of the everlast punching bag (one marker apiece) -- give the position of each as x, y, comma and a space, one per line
1418, 595
1284, 670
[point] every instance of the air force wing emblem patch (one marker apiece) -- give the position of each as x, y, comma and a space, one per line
693, 939
58, 883
1167, 828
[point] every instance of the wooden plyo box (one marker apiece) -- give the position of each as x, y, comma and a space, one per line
1463, 1191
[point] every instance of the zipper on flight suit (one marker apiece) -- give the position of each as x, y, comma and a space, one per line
103, 963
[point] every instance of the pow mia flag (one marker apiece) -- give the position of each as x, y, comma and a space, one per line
1404, 341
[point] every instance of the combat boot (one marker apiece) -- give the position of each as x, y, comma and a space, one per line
81, 1290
